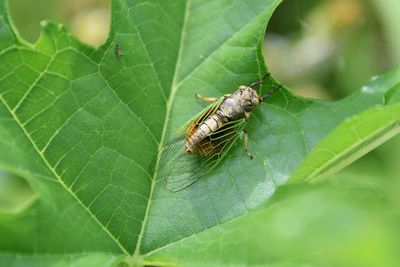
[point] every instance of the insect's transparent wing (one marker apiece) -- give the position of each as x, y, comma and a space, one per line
219, 143
188, 168
172, 164
186, 171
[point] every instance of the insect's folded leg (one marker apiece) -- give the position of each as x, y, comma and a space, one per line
246, 144
206, 99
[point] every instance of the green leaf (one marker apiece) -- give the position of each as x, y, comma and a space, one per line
351, 140
83, 126
15, 194
321, 225
79, 260
356, 136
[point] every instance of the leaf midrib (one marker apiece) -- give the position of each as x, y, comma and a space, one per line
170, 101
174, 88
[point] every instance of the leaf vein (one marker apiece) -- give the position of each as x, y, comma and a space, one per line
61, 181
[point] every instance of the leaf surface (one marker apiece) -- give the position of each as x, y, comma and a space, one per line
311, 225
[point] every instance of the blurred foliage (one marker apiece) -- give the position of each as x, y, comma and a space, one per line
334, 47
15, 193
87, 19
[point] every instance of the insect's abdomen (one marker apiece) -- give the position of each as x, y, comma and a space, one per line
194, 138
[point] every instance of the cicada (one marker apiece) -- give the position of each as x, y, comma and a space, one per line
198, 146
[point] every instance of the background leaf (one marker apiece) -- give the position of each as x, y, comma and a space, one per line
82, 126
93, 259
353, 138
300, 226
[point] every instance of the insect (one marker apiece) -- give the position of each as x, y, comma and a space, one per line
117, 50
202, 142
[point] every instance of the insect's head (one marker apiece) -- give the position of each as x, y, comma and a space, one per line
249, 98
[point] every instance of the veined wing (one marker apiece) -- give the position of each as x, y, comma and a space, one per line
189, 168
179, 169
220, 141
171, 159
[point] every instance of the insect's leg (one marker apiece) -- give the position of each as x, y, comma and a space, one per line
246, 144
247, 115
206, 99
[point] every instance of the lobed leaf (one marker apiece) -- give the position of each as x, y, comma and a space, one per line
83, 126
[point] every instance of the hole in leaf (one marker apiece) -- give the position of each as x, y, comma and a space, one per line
89, 20
15, 193
316, 48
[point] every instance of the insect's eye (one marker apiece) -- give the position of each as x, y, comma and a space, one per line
248, 107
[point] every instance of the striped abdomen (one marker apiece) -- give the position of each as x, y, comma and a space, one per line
195, 137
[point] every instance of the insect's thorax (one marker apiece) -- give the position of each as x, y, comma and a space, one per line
245, 99
230, 109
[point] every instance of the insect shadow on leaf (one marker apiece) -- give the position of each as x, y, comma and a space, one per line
118, 51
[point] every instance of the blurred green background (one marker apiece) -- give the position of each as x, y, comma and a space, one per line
334, 47
323, 49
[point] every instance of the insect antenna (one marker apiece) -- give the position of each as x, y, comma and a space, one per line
274, 89
260, 81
